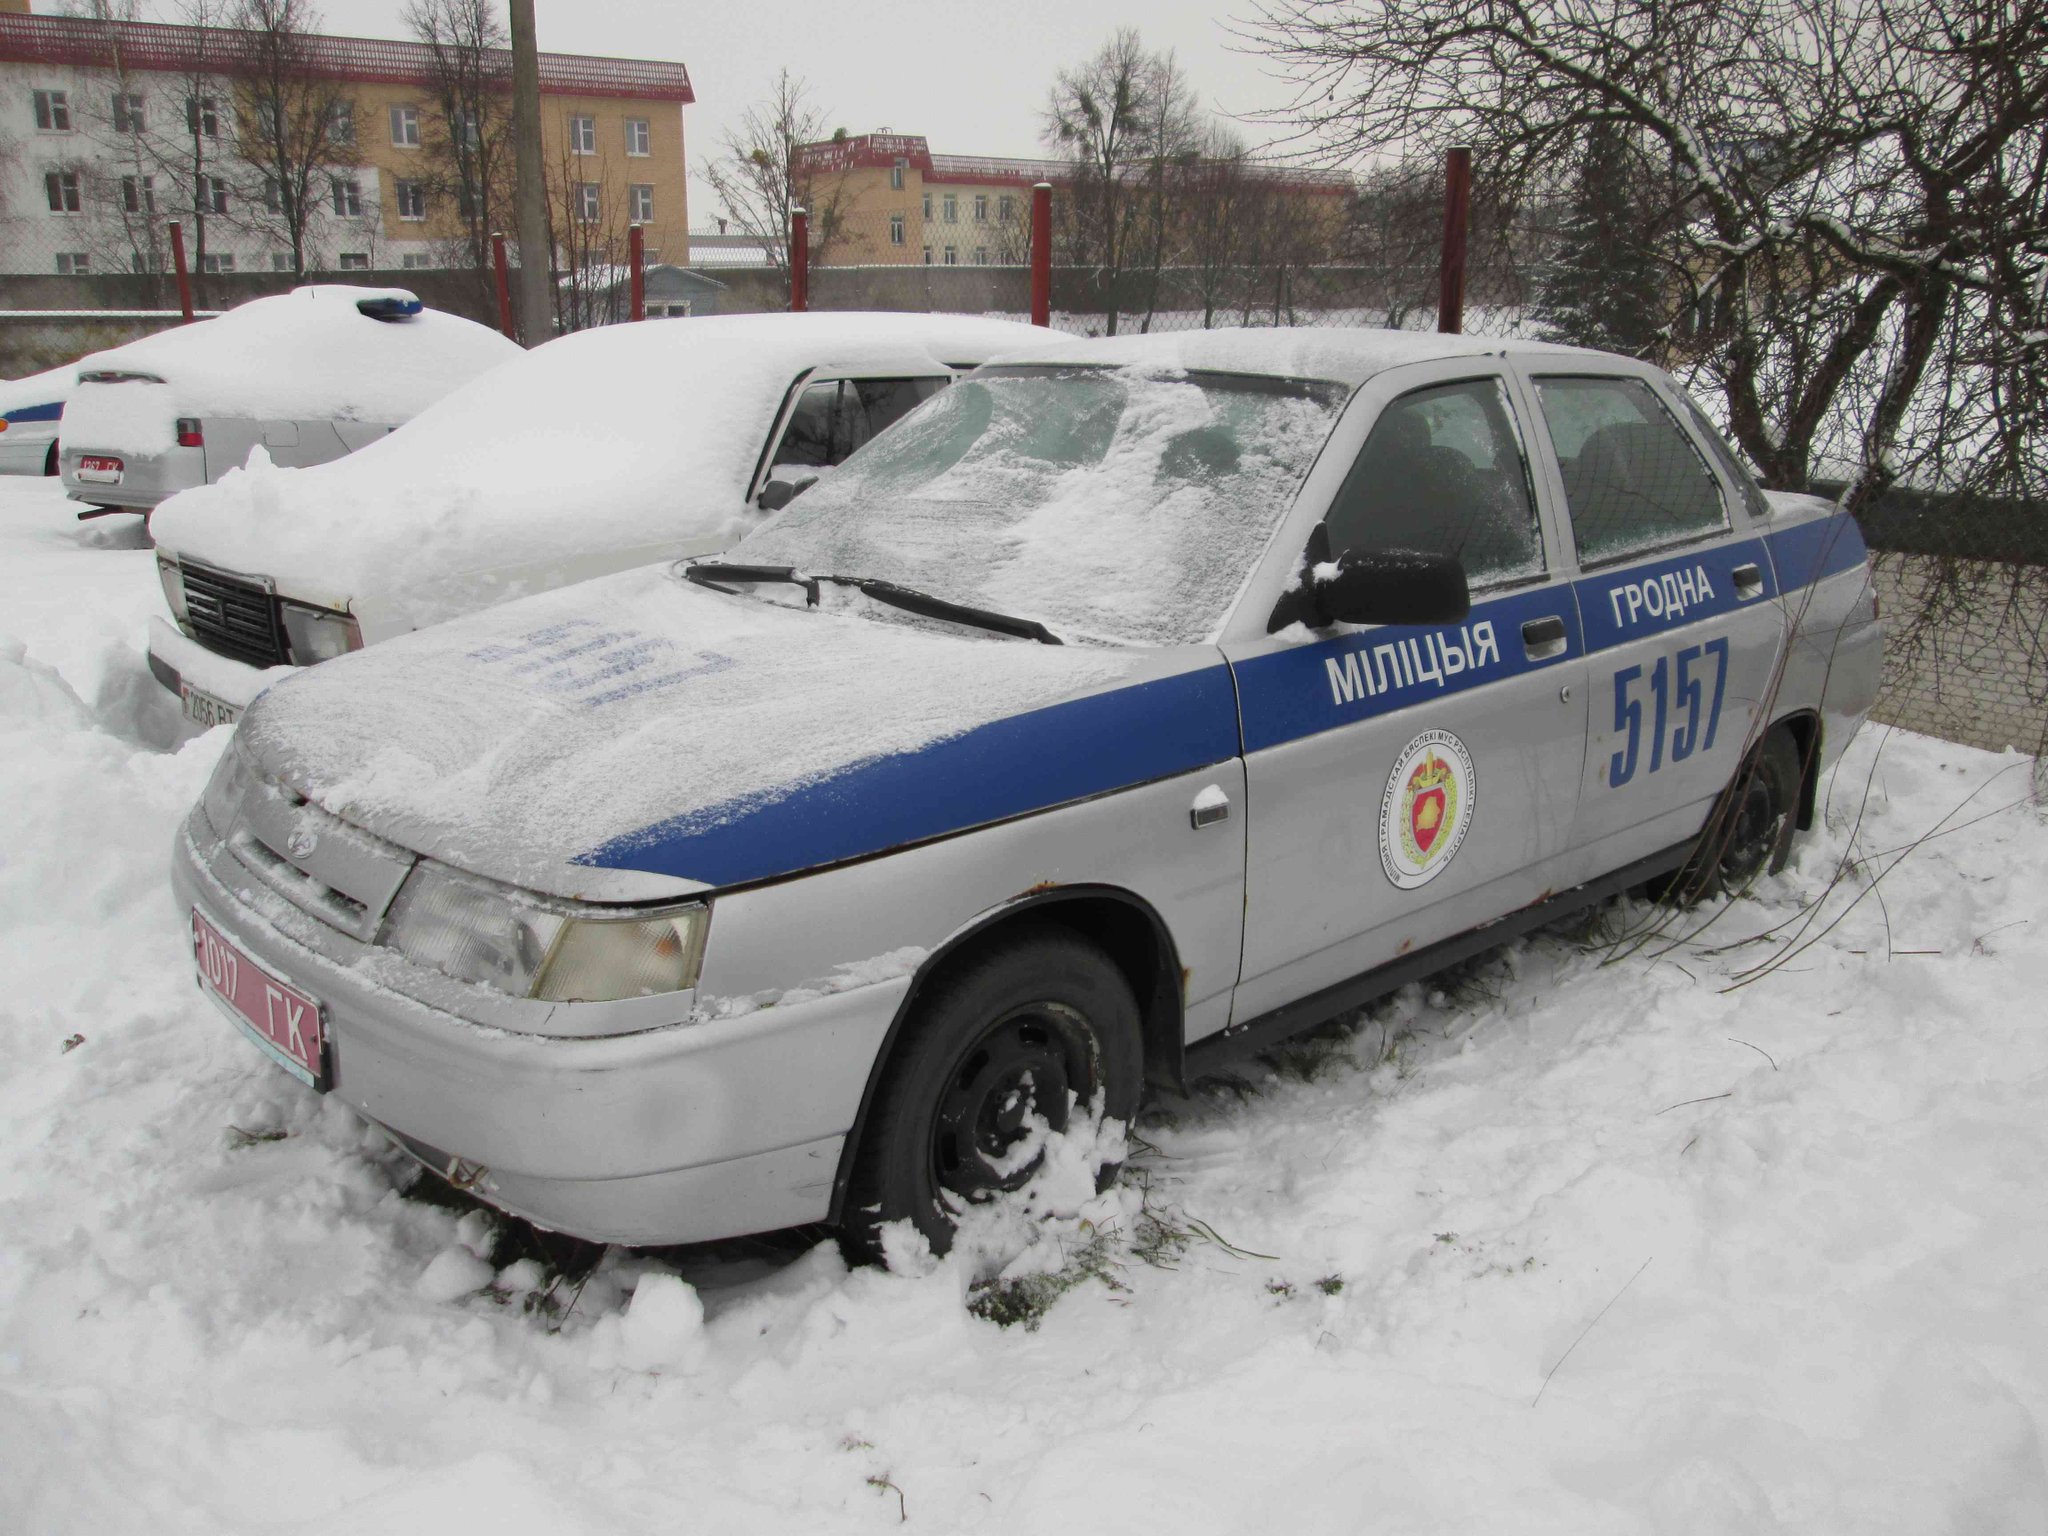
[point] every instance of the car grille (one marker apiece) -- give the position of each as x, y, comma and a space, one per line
236, 618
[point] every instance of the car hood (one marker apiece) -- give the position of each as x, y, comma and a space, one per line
639, 736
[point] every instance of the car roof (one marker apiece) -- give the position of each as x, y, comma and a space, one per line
848, 339
1347, 355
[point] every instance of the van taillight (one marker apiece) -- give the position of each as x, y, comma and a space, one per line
189, 435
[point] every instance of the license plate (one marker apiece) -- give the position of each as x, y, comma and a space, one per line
280, 1018
99, 469
205, 709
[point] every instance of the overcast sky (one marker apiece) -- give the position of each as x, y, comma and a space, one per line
971, 77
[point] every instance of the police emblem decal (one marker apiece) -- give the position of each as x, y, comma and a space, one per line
1430, 797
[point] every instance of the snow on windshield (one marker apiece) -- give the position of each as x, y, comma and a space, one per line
1120, 505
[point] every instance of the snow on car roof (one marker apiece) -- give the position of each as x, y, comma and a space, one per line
1342, 354
47, 388
310, 354
618, 438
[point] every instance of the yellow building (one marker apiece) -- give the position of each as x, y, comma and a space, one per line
99, 122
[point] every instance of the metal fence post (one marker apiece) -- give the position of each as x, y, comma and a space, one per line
1041, 253
1450, 301
799, 260
178, 265
636, 256
503, 271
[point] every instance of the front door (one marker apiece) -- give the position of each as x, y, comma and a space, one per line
1406, 783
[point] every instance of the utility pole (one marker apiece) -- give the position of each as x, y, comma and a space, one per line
536, 306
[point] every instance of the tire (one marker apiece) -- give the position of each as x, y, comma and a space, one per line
1750, 833
50, 465
1045, 1012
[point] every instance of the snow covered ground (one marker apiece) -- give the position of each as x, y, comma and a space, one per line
1584, 1244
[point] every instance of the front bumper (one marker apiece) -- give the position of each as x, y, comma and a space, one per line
684, 1132
177, 660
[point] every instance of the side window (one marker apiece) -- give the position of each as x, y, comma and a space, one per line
832, 420
1443, 473
1632, 480
1731, 462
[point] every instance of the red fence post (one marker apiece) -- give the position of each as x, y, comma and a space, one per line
504, 275
636, 254
1450, 300
1041, 254
799, 260
178, 265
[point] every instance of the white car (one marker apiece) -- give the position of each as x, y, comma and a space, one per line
602, 450
30, 410
308, 376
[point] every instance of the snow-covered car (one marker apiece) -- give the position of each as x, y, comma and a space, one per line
30, 410
308, 376
1114, 711
599, 451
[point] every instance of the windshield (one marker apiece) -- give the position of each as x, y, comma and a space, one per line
1109, 504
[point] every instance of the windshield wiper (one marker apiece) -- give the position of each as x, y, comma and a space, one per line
910, 600
709, 573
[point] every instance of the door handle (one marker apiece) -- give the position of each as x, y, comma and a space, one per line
1544, 638
1749, 581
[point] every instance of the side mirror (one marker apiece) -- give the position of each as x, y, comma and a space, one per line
1390, 586
777, 494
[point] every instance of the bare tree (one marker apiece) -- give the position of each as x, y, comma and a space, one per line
288, 114
1216, 198
1099, 114
1171, 135
778, 159
468, 148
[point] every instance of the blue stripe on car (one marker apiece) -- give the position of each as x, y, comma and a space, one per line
1011, 767
1129, 736
28, 413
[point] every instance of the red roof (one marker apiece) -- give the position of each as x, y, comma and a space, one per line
869, 151
154, 46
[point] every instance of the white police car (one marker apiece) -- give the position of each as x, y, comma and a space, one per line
1108, 712
30, 410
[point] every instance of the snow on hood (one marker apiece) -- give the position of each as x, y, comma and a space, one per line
628, 438
308, 355
514, 741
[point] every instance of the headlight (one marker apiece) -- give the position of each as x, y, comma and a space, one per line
487, 934
173, 578
222, 800
319, 634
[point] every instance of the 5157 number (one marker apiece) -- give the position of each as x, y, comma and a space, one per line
1688, 736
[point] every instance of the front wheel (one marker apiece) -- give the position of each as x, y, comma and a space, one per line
1032, 1029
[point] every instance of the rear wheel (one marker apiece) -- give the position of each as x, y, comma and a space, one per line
1750, 833
50, 460
1038, 1027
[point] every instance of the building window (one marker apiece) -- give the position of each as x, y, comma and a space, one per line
895, 229
61, 187
981, 255
952, 209
412, 199
952, 255
273, 196
405, 127
413, 261
127, 112
224, 263
638, 140
464, 129
139, 263
354, 261
138, 194
981, 207
589, 202
202, 116
213, 195
927, 255
348, 199
642, 204
53, 111
73, 263
280, 261
1006, 209
583, 135
927, 207
341, 122
896, 175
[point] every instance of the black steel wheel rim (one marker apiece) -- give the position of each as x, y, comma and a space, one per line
1752, 835
1033, 1060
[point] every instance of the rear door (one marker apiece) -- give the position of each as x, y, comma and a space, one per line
1404, 784
1676, 591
